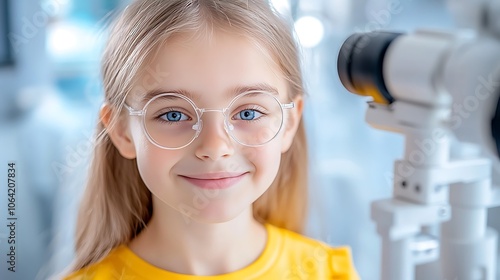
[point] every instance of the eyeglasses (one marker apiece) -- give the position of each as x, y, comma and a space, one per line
173, 121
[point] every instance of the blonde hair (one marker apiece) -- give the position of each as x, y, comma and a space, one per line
116, 204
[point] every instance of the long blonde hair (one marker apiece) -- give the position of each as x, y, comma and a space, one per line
116, 204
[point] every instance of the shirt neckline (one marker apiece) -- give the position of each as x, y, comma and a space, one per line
255, 269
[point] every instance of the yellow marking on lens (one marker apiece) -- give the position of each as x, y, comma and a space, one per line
374, 93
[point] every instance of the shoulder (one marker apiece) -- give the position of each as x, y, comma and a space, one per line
107, 268
309, 254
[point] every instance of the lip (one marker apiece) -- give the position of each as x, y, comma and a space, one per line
214, 181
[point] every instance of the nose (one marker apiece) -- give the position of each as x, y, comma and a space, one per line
213, 142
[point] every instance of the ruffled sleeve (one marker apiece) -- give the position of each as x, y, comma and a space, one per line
341, 264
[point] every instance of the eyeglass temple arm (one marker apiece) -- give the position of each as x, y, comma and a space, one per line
288, 106
133, 112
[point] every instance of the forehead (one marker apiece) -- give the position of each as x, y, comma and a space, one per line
208, 67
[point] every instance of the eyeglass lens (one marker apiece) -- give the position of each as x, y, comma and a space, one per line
252, 119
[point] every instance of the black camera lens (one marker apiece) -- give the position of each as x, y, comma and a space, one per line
361, 61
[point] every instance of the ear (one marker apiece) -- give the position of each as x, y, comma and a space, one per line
119, 133
292, 123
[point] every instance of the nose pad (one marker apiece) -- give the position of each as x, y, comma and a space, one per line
198, 127
228, 126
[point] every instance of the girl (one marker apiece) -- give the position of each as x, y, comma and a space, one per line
200, 172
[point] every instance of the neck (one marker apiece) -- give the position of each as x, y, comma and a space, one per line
174, 243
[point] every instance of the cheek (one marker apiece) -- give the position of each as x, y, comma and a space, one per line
151, 161
155, 164
266, 161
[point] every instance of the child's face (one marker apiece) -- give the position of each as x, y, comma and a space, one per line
209, 69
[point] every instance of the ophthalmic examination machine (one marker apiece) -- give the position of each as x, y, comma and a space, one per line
441, 90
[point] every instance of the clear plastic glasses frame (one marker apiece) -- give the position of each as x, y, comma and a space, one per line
198, 122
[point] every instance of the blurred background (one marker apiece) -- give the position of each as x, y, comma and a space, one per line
50, 94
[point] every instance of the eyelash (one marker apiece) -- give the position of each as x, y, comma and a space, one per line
252, 108
158, 116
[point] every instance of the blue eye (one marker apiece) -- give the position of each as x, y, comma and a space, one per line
248, 115
174, 116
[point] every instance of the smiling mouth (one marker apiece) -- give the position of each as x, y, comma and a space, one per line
215, 180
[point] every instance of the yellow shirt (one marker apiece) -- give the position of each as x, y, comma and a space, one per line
287, 255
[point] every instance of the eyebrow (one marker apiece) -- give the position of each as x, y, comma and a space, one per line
233, 92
